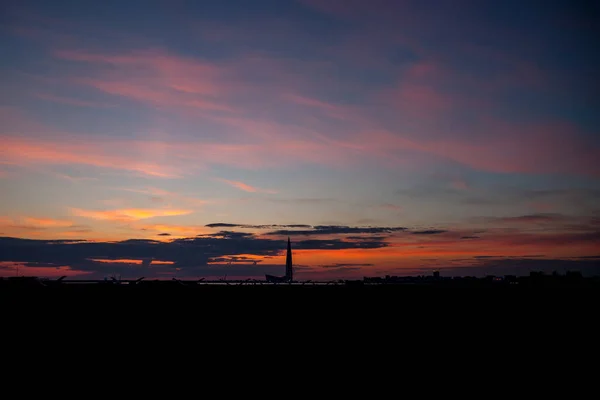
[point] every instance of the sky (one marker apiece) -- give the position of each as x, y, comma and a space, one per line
384, 137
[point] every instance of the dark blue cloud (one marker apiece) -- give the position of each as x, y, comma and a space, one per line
339, 265
246, 226
191, 256
336, 229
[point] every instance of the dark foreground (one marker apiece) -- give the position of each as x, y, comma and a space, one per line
247, 291
568, 281
244, 308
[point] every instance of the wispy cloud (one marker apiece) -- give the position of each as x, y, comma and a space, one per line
388, 206
246, 226
48, 222
340, 265
70, 101
336, 230
174, 230
160, 195
83, 151
245, 187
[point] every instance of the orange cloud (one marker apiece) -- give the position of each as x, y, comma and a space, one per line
131, 214
117, 261
9, 268
48, 222
37, 227
245, 187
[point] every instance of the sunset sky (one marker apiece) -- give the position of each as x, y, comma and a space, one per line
384, 137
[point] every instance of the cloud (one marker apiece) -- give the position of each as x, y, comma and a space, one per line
167, 159
523, 266
429, 232
530, 219
244, 92
228, 235
40, 227
246, 187
339, 265
83, 151
303, 200
71, 101
192, 256
160, 195
388, 206
328, 109
333, 229
131, 214
366, 237
164, 234
274, 226
162, 79
504, 148
551, 222
48, 222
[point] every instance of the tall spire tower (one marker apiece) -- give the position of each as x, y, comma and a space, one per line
289, 273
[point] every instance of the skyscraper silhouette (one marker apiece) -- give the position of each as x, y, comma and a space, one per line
289, 272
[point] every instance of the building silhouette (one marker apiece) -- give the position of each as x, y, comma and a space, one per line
289, 273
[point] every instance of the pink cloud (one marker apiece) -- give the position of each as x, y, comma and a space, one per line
78, 150
420, 100
501, 147
158, 78
162, 159
533, 148
161, 79
210, 91
159, 96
